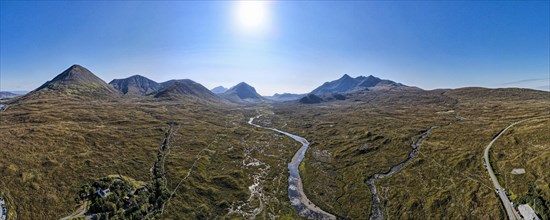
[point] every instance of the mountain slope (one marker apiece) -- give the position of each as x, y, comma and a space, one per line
172, 81
243, 93
315, 99
77, 80
310, 99
135, 85
347, 84
185, 88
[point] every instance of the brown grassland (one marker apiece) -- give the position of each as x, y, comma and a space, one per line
371, 132
526, 146
219, 167
53, 146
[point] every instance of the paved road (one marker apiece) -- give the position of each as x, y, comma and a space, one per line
501, 193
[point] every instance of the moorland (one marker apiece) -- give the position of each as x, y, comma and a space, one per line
196, 153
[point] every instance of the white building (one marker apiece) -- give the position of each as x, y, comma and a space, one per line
103, 193
527, 212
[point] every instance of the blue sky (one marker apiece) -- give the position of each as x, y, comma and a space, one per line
291, 47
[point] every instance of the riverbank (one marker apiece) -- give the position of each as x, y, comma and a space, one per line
297, 197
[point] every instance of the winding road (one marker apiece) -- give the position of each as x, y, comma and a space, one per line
512, 214
298, 198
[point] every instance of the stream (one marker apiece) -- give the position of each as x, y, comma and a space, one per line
376, 207
298, 198
377, 213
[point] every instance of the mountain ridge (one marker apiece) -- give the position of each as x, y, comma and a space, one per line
77, 80
185, 87
219, 89
243, 93
7, 95
135, 85
348, 84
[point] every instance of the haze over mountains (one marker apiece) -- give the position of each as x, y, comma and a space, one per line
77, 80
7, 95
284, 97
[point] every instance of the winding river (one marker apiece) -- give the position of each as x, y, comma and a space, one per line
298, 198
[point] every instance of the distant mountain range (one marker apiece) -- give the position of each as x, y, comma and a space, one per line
219, 90
7, 95
336, 90
243, 93
77, 80
285, 97
348, 84
141, 86
136, 85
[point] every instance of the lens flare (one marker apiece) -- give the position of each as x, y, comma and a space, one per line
252, 16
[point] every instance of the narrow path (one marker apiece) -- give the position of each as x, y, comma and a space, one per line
298, 198
80, 211
197, 158
512, 214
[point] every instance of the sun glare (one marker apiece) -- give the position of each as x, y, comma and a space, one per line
252, 16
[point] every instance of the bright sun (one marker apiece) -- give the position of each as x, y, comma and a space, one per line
252, 16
